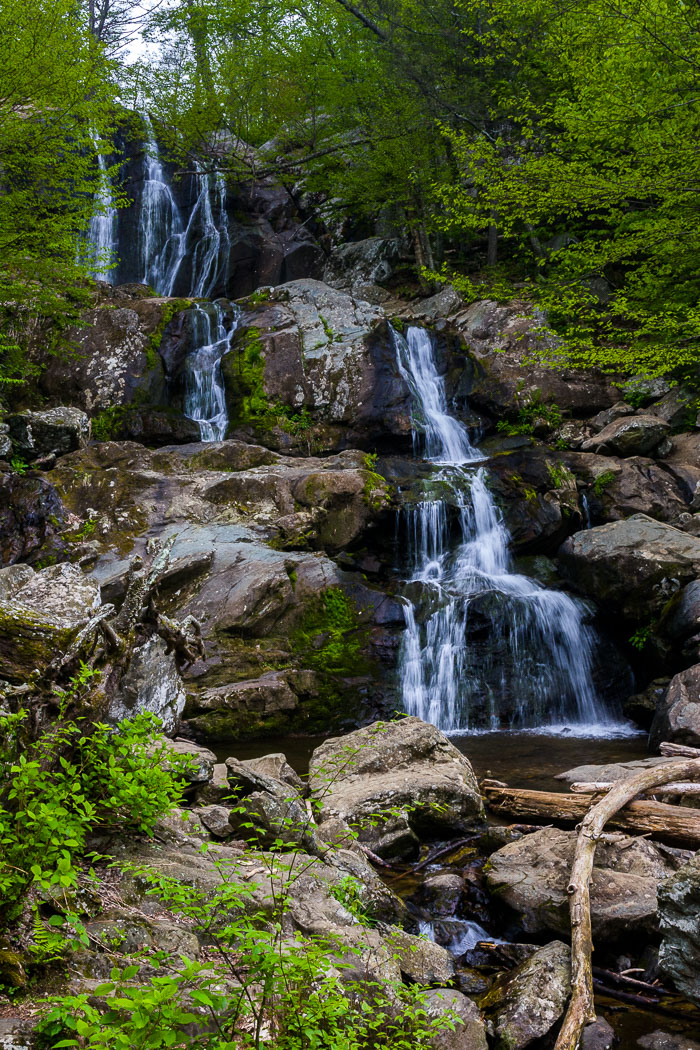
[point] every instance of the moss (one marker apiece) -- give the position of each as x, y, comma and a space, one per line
330, 637
602, 482
376, 488
156, 337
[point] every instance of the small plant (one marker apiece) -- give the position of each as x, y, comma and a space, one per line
348, 892
559, 474
641, 638
329, 333
602, 482
19, 465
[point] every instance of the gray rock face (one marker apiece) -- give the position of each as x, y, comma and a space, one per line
58, 430
353, 266
683, 619
659, 1040
526, 1003
152, 683
631, 566
469, 1033
31, 515
531, 876
629, 436
277, 766
13, 578
323, 352
618, 488
419, 959
608, 772
617, 411
679, 919
677, 718
407, 772
42, 617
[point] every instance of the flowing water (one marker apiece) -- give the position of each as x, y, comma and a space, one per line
102, 231
484, 647
205, 394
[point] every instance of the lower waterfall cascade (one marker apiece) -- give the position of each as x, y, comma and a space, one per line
204, 398
536, 668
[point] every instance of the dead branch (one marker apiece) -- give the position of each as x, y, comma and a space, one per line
679, 750
596, 787
581, 1009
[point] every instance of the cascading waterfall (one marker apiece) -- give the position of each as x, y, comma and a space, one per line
205, 395
161, 231
102, 231
483, 646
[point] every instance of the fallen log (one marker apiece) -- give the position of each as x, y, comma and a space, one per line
597, 787
581, 1010
679, 750
674, 825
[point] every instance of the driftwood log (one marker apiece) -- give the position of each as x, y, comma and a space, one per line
675, 825
598, 787
581, 1010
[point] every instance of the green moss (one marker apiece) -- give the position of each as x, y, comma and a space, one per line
330, 637
602, 482
107, 424
375, 489
156, 337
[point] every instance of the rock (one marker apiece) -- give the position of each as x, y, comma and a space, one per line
631, 567
16, 1033
406, 767
679, 920
31, 516
216, 790
677, 718
319, 356
52, 430
531, 876
676, 408
443, 304
42, 618
629, 436
469, 1032
609, 415
659, 1040
5, 443
274, 808
641, 707
276, 766
441, 894
643, 389
617, 488
504, 339
608, 771
420, 960
526, 1003
682, 619
356, 264
151, 683
216, 820
13, 578
598, 1036
202, 760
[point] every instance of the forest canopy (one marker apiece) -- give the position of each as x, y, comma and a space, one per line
537, 149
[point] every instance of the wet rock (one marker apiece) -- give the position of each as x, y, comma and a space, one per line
31, 516
52, 430
406, 771
659, 1040
441, 894
504, 339
525, 1004
640, 708
598, 1036
151, 683
616, 488
629, 436
677, 717
683, 618
531, 877
631, 567
356, 264
469, 1032
679, 919
42, 618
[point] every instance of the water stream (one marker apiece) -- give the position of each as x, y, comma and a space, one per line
484, 647
205, 393
102, 231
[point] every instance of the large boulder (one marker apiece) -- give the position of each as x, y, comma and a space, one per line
52, 430
677, 717
361, 267
395, 782
679, 919
526, 1003
617, 488
531, 876
31, 517
469, 1030
42, 617
151, 684
631, 567
504, 340
313, 368
629, 436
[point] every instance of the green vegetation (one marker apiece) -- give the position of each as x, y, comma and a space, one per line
602, 482
330, 636
533, 412
641, 638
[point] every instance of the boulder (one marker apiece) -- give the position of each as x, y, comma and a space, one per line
420, 960
201, 760
598, 1036
42, 618
395, 782
682, 618
609, 415
504, 340
659, 1040
526, 1003
631, 567
52, 430
643, 389
677, 408
616, 488
532, 874
314, 368
216, 820
469, 1031
13, 578
355, 265
31, 517
677, 717
275, 810
629, 436
679, 920
277, 766
151, 683
609, 771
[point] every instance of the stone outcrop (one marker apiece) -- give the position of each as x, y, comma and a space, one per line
635, 435
394, 783
151, 684
31, 517
631, 567
531, 876
49, 431
313, 368
526, 1003
677, 717
679, 918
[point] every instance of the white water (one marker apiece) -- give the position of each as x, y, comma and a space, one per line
102, 231
205, 394
532, 665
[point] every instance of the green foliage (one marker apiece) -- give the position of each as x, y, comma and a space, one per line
535, 411
641, 638
75, 777
107, 424
602, 482
348, 892
19, 465
559, 474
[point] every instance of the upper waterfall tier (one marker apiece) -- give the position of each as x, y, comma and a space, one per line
484, 646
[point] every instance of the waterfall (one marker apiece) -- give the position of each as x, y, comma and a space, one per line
102, 231
205, 395
483, 645
161, 232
